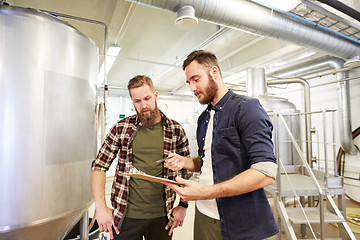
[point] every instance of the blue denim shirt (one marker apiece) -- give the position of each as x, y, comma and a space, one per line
241, 137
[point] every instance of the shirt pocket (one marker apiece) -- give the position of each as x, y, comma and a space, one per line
228, 140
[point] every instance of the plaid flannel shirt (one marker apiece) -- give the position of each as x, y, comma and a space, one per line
119, 141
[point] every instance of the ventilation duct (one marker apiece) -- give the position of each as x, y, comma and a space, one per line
258, 19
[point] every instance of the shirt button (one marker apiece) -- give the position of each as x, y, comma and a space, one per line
203, 139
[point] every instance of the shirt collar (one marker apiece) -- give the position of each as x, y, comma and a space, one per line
220, 105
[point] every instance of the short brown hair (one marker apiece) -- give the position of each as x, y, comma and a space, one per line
139, 81
205, 58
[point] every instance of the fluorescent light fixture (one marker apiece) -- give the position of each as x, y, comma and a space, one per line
111, 55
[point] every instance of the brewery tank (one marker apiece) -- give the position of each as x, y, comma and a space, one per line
256, 87
47, 124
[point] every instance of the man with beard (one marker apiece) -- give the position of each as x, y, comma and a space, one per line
141, 208
235, 158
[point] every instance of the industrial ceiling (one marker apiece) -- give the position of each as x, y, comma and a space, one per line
151, 44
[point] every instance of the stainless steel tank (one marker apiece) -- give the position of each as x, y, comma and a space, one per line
256, 87
47, 124
287, 152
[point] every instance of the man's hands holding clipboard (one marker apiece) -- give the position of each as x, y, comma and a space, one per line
189, 190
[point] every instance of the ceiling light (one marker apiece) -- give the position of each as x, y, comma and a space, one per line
111, 54
186, 18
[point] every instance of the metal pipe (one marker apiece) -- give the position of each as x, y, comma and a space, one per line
255, 84
322, 217
307, 109
265, 21
84, 222
322, 10
333, 144
342, 8
325, 150
344, 115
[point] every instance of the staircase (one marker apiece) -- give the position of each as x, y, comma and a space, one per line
318, 199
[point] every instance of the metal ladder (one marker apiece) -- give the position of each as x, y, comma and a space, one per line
303, 183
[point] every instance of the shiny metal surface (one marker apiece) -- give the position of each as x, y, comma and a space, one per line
47, 124
256, 87
287, 152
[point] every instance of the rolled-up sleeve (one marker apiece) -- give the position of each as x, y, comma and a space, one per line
257, 132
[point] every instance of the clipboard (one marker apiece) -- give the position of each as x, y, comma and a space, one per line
150, 177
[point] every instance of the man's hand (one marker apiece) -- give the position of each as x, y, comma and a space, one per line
179, 214
190, 190
175, 162
105, 220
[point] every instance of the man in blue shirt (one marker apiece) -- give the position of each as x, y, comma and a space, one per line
235, 157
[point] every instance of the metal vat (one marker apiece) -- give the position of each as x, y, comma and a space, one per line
47, 124
256, 87
287, 152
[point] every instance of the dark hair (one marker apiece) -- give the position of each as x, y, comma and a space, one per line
139, 81
205, 58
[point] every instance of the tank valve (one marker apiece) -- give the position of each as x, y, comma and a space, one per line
314, 159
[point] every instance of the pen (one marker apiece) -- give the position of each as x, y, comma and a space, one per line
161, 160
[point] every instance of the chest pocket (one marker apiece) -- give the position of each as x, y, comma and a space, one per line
228, 140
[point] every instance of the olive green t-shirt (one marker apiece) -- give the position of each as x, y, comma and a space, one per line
146, 198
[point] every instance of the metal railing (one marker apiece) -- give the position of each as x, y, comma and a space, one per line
309, 171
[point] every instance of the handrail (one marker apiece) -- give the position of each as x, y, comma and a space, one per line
311, 174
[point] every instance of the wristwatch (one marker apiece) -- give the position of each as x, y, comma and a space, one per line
183, 204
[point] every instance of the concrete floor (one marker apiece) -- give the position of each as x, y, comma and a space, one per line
186, 231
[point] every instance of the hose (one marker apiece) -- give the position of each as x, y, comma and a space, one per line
341, 161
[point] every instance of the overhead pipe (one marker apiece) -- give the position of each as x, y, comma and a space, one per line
265, 21
342, 8
255, 82
344, 113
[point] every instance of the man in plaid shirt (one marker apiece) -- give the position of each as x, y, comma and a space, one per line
141, 208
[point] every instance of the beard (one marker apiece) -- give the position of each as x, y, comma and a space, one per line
209, 92
149, 119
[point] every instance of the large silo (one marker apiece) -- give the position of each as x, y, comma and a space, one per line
47, 124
